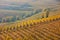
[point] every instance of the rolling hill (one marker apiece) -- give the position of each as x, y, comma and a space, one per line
41, 29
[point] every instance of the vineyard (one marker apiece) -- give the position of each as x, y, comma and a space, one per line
39, 29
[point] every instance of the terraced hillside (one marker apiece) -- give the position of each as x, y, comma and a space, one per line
41, 29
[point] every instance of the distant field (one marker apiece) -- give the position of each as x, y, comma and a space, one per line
4, 13
22, 14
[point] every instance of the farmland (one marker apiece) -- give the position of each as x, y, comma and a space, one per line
42, 29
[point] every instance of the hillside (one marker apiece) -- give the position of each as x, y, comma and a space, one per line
41, 29
29, 19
